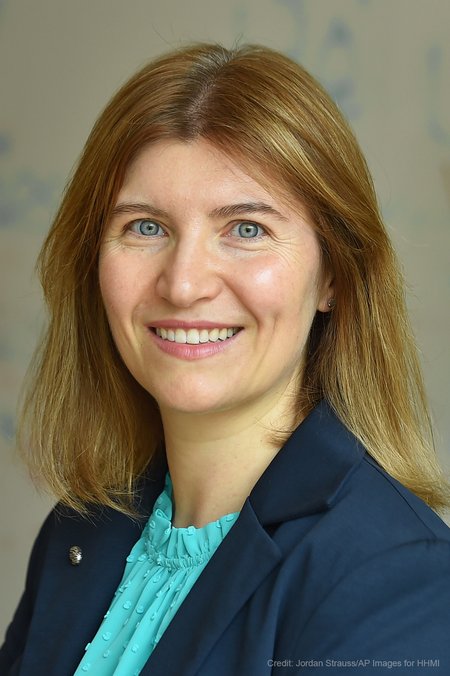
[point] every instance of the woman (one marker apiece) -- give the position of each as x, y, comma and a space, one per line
228, 400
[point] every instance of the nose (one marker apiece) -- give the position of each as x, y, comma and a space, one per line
188, 274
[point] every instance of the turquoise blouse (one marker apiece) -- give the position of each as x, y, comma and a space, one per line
159, 573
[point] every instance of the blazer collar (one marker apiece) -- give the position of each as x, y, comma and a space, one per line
306, 475
304, 478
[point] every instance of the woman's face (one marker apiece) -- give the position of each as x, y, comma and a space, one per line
210, 283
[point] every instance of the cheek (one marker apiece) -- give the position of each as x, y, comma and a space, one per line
280, 289
118, 286
108, 286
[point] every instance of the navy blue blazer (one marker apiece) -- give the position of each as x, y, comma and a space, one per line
331, 567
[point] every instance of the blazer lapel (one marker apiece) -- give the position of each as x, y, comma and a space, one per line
242, 561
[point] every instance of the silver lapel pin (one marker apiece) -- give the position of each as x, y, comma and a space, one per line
75, 555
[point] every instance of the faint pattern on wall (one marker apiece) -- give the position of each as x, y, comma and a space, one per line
26, 203
445, 171
335, 53
438, 88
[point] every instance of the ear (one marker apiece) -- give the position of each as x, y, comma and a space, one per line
327, 300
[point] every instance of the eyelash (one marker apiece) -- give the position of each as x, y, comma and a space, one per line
136, 224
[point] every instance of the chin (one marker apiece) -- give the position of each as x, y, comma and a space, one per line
189, 400
193, 407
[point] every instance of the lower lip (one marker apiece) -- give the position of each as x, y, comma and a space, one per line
190, 352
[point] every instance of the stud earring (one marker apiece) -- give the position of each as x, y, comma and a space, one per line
331, 303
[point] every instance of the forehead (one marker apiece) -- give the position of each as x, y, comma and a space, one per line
198, 170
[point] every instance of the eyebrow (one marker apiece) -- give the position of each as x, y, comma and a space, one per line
133, 207
228, 211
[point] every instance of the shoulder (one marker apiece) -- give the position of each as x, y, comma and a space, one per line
386, 511
371, 523
369, 575
331, 507
393, 604
100, 529
55, 595
373, 514
380, 524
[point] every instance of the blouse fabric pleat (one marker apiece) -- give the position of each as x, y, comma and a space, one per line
159, 573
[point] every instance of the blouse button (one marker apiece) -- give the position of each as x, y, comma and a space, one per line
152, 524
127, 605
135, 648
106, 635
86, 666
107, 653
140, 609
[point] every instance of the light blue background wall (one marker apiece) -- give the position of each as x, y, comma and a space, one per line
387, 62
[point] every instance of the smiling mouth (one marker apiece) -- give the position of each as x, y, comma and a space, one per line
196, 336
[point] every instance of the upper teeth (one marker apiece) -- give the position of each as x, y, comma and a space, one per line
195, 336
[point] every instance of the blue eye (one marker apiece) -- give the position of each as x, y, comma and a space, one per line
247, 230
146, 227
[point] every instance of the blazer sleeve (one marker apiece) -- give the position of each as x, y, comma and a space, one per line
16, 635
389, 615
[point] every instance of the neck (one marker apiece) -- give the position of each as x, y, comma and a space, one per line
215, 459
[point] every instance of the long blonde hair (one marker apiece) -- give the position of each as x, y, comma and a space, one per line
89, 428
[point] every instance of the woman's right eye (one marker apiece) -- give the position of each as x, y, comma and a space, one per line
146, 228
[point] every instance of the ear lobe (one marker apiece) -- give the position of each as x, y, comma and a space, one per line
327, 300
